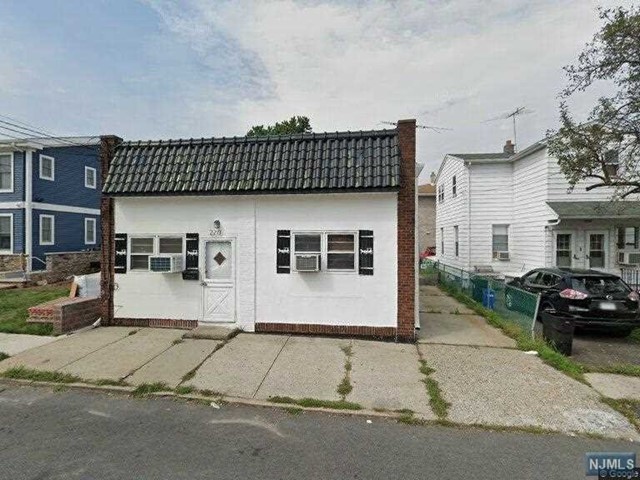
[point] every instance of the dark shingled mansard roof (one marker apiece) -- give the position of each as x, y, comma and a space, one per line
288, 164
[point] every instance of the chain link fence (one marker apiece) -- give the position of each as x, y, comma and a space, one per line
513, 304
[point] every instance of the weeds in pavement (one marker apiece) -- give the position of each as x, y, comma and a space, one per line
23, 373
133, 332
209, 393
316, 403
619, 368
438, 404
147, 388
628, 408
185, 389
523, 339
635, 336
294, 410
177, 341
345, 387
110, 383
3, 356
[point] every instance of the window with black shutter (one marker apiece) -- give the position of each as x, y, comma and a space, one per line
283, 251
120, 262
365, 257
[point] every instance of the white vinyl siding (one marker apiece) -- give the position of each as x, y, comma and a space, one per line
453, 212
491, 204
531, 214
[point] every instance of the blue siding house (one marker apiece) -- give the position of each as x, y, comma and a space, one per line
49, 199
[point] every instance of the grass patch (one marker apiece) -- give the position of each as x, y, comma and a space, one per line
619, 368
15, 302
185, 390
147, 388
23, 373
3, 356
523, 338
294, 410
628, 408
345, 387
316, 403
110, 383
438, 404
635, 336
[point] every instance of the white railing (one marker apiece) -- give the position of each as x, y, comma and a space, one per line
631, 275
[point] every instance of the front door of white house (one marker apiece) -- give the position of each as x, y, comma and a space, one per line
219, 282
597, 249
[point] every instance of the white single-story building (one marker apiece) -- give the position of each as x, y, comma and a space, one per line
308, 233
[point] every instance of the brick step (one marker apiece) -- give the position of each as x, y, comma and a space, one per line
66, 313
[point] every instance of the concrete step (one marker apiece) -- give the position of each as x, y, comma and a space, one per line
211, 332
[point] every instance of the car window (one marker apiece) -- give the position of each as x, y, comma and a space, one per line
600, 285
549, 279
531, 278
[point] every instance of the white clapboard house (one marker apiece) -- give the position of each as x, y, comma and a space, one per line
514, 212
309, 233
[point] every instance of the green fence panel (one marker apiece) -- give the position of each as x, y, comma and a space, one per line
513, 304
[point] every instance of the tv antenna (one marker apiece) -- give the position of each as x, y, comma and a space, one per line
512, 115
424, 127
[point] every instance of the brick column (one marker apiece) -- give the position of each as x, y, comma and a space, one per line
407, 231
108, 144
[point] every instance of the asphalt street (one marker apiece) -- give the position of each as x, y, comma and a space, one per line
48, 434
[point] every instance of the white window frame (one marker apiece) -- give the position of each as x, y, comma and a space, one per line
572, 246
95, 177
53, 229
52, 178
10, 216
13, 170
456, 240
87, 221
156, 248
324, 250
494, 255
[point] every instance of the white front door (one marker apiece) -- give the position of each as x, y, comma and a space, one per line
219, 282
565, 249
597, 249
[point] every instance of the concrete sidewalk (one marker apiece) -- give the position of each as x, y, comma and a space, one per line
14, 343
475, 367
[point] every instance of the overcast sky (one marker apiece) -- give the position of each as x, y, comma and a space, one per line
168, 69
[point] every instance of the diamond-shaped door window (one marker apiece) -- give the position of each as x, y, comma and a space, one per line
219, 258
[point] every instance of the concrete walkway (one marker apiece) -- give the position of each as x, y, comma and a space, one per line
14, 343
478, 371
502, 386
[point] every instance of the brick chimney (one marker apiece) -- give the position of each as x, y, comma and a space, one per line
509, 148
407, 259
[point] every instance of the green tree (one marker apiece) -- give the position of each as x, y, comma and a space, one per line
297, 124
606, 148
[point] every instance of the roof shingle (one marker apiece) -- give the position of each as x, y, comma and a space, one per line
290, 163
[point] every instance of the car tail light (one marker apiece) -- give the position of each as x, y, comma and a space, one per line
573, 294
634, 297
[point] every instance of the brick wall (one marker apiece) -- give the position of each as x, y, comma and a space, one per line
407, 231
426, 222
108, 145
66, 314
11, 263
66, 264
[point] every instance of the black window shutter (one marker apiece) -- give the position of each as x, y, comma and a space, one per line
365, 258
120, 262
283, 251
193, 254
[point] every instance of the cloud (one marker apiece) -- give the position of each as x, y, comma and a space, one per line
166, 68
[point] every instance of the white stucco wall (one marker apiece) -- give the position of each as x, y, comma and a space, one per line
328, 298
261, 294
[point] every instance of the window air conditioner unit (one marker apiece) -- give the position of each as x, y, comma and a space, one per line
308, 262
166, 263
629, 258
503, 255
